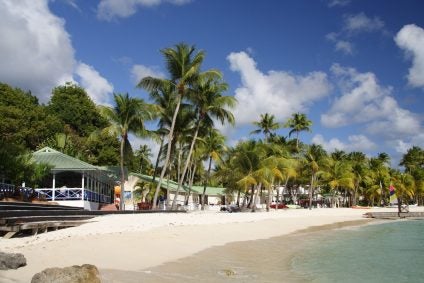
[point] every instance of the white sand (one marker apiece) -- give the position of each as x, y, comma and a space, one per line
139, 241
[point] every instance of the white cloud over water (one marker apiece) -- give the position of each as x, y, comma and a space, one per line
411, 39
276, 92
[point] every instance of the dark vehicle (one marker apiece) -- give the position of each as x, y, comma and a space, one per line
230, 208
280, 206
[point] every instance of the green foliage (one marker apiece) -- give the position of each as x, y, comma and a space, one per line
102, 150
266, 125
23, 121
17, 166
71, 104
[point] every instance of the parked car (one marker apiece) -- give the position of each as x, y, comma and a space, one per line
280, 206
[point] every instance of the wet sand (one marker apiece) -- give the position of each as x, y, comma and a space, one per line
267, 260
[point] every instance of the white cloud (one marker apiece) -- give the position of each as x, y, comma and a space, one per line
140, 71
111, 9
411, 39
343, 46
402, 147
364, 101
37, 54
97, 87
352, 26
334, 3
35, 51
361, 23
278, 92
355, 143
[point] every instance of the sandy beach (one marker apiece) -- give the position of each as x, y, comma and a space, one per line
140, 241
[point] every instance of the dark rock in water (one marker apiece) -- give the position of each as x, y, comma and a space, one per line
11, 261
85, 273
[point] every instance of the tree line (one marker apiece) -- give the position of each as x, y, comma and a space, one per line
187, 105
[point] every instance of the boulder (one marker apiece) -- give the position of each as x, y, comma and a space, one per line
11, 261
85, 273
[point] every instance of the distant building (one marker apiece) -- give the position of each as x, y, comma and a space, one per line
187, 197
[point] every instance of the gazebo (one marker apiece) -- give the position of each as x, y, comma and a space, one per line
74, 182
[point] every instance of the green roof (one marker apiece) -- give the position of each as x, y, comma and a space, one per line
60, 161
172, 185
209, 190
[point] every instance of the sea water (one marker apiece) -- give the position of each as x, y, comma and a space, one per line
388, 252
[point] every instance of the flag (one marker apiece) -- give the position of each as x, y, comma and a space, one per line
393, 197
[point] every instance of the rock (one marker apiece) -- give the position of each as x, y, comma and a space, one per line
85, 273
11, 261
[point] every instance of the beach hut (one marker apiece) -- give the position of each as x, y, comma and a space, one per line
73, 182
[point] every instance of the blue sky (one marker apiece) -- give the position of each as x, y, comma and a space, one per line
356, 68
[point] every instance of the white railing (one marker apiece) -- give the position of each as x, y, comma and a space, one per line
71, 194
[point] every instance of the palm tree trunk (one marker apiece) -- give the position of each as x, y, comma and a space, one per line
180, 183
311, 189
191, 183
355, 193
168, 151
278, 197
269, 198
206, 182
255, 196
252, 191
243, 205
297, 140
158, 158
122, 199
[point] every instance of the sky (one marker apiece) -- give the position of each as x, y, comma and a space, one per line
354, 67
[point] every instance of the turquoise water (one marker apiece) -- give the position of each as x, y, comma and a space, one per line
389, 252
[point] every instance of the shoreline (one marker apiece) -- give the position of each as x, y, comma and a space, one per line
138, 242
185, 268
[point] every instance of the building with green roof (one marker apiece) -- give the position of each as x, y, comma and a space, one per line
74, 182
187, 197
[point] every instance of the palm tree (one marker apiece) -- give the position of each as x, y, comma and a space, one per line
266, 125
244, 163
359, 170
268, 173
298, 123
314, 160
209, 102
183, 65
413, 161
143, 155
338, 175
404, 186
163, 96
213, 147
379, 176
128, 115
